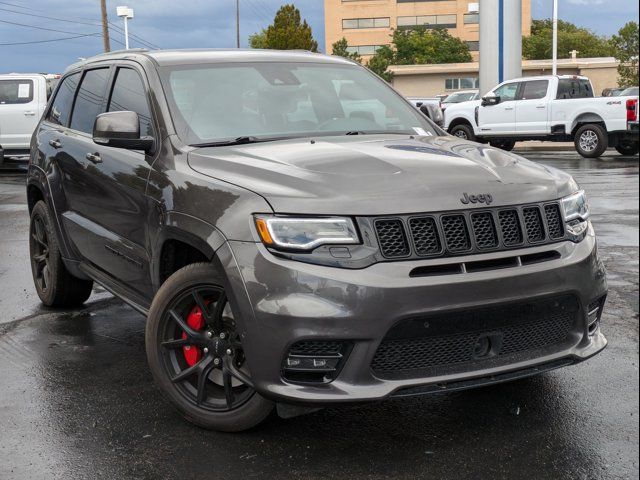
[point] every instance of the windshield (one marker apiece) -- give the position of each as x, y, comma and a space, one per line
460, 97
222, 102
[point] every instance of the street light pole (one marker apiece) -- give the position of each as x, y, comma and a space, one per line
237, 23
555, 38
126, 13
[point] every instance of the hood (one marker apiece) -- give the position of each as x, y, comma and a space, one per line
380, 175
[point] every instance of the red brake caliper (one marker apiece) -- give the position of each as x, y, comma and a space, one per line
193, 354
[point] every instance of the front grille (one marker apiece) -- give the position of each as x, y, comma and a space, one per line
392, 238
467, 232
449, 343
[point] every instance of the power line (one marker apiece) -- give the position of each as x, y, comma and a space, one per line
79, 21
47, 41
44, 28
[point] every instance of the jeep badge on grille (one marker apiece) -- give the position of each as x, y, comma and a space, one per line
481, 198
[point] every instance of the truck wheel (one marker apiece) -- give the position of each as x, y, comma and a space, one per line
628, 149
591, 140
56, 287
463, 131
195, 352
506, 145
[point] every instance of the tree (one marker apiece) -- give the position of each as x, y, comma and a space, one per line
419, 46
625, 45
258, 40
288, 32
538, 45
340, 49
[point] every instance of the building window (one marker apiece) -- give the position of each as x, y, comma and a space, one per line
465, 83
474, 46
364, 49
429, 21
352, 23
471, 18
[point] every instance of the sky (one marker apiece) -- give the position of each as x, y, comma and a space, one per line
197, 24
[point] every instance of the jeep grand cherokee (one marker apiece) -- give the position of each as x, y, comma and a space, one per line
297, 233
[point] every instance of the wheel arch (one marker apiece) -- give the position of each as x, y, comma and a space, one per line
587, 118
459, 121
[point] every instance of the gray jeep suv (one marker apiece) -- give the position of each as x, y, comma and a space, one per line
298, 234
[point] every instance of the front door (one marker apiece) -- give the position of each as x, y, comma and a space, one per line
501, 118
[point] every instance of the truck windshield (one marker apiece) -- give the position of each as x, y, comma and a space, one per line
269, 100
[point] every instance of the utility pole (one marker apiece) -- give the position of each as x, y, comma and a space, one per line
555, 38
237, 23
105, 26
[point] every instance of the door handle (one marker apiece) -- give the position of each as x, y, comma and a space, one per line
29, 113
541, 107
55, 143
93, 157
508, 108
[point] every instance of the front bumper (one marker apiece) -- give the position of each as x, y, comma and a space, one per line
282, 302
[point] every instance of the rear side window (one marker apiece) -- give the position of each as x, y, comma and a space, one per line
535, 89
61, 109
574, 88
16, 91
89, 100
128, 94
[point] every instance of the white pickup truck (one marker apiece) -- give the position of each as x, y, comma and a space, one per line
555, 108
23, 98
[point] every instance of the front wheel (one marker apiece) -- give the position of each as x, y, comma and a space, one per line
464, 132
591, 141
195, 352
628, 149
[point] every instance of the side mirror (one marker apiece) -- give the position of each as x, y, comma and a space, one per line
120, 130
490, 100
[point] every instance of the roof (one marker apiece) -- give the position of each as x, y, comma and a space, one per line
195, 56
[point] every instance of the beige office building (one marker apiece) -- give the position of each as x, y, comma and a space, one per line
368, 24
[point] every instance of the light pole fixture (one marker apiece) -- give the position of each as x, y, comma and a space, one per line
125, 13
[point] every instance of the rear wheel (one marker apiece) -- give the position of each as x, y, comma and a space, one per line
56, 287
506, 145
628, 149
196, 355
591, 140
463, 131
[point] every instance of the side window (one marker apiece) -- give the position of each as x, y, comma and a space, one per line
16, 91
128, 94
535, 89
507, 92
63, 102
88, 102
574, 88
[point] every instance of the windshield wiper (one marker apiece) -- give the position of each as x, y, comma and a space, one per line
236, 141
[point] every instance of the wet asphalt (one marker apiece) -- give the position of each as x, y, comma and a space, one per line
77, 399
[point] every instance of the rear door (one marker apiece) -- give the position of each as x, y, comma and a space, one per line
19, 111
501, 118
532, 113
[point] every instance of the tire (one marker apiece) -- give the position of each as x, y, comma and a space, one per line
200, 398
591, 140
506, 145
464, 132
56, 287
628, 149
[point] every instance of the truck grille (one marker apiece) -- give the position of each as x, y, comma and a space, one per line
472, 340
471, 231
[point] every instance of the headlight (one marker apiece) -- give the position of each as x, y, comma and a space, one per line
305, 233
576, 214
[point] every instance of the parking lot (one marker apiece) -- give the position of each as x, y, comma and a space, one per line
77, 399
